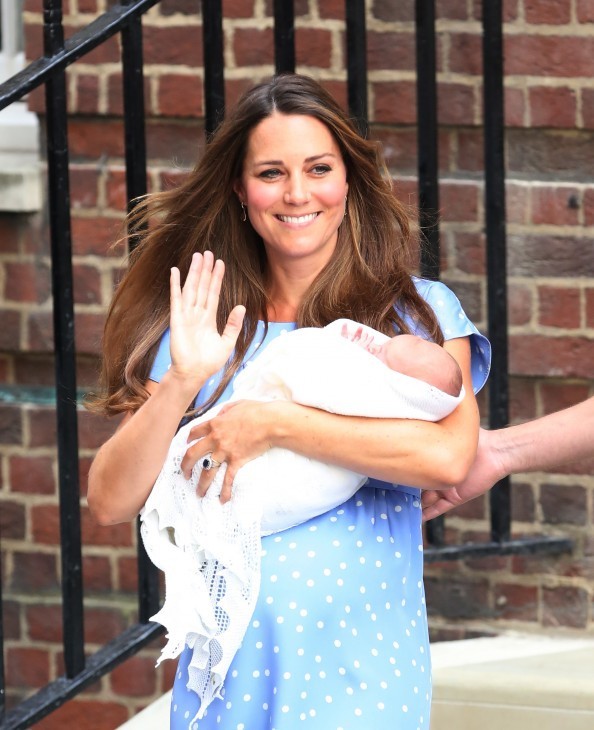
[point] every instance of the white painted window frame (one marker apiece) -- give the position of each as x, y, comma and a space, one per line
20, 175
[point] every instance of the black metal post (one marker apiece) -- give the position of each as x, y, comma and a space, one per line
284, 36
214, 65
428, 158
63, 311
136, 164
428, 167
356, 42
496, 245
2, 674
134, 118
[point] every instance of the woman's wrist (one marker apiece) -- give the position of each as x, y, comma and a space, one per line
279, 416
184, 384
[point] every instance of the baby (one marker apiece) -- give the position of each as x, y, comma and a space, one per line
210, 552
413, 356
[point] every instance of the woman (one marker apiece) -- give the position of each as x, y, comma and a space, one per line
293, 200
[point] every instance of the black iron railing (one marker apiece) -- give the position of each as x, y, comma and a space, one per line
125, 18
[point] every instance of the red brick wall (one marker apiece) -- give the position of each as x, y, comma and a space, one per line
549, 58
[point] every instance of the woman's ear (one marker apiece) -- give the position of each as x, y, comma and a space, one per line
238, 189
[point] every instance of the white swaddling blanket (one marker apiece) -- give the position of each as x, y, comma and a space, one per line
209, 552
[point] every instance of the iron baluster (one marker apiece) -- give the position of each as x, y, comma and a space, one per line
357, 63
214, 65
284, 36
63, 318
494, 145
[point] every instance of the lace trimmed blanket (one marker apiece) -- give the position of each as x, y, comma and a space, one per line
209, 552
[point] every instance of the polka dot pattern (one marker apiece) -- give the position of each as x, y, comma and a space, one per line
339, 635
350, 657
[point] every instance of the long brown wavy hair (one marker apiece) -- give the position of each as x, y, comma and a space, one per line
367, 274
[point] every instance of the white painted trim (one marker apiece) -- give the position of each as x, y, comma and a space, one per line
20, 183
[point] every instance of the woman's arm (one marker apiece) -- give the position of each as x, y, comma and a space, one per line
126, 466
417, 453
541, 444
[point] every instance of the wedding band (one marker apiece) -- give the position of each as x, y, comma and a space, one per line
209, 463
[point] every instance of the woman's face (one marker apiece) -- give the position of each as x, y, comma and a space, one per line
294, 187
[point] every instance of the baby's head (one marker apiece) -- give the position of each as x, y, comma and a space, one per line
424, 360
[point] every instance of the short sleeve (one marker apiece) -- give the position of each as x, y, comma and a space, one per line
454, 323
162, 361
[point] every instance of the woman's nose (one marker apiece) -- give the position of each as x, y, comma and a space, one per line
297, 192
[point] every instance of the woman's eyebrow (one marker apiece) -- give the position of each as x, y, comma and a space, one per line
313, 158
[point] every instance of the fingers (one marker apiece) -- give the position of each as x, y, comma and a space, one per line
358, 334
434, 504
207, 279
212, 288
436, 509
204, 276
188, 292
234, 324
227, 488
208, 476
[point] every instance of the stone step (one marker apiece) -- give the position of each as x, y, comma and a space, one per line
516, 682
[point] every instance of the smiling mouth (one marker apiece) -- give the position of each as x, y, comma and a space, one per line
298, 219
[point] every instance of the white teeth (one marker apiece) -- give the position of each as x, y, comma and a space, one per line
296, 220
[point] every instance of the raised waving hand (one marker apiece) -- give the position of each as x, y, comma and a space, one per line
197, 348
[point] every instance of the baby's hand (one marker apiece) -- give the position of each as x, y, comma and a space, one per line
359, 337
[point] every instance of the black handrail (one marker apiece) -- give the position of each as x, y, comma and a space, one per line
75, 47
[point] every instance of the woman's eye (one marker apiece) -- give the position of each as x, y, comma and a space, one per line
321, 169
270, 174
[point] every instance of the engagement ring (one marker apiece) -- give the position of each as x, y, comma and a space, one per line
209, 463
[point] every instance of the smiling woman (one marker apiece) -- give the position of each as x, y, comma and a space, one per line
296, 203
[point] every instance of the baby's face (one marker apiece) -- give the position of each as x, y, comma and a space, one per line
422, 359
404, 352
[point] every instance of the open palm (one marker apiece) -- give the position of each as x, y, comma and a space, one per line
197, 349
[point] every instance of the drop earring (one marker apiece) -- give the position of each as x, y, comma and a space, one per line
243, 213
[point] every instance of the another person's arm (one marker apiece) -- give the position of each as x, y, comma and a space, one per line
538, 445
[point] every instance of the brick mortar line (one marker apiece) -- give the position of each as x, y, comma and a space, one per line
45, 307
260, 20
486, 626
548, 229
34, 500
101, 263
522, 82
552, 333
582, 283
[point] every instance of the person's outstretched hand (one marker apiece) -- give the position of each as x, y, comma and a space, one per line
486, 471
197, 349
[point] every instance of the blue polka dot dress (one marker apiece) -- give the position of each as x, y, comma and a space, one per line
338, 638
